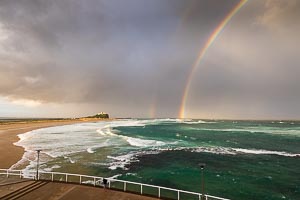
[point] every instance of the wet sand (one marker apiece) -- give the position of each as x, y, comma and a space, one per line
11, 154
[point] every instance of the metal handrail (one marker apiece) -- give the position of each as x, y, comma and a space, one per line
19, 173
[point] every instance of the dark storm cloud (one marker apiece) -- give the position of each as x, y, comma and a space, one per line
113, 53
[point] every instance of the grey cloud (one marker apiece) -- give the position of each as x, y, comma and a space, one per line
256, 73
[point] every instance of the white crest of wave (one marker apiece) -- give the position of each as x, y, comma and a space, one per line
267, 152
267, 130
229, 151
138, 142
215, 150
122, 160
107, 130
144, 143
93, 148
197, 122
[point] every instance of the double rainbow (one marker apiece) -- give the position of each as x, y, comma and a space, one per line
202, 52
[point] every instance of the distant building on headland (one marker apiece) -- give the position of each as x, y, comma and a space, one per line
101, 115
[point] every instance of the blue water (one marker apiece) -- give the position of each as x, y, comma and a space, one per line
244, 159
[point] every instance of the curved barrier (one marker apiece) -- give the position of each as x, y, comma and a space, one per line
127, 186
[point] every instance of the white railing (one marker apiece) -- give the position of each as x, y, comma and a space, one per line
127, 186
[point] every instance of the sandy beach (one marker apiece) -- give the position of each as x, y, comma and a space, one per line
11, 154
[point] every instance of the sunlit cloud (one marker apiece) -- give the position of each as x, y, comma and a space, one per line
26, 102
31, 80
3, 33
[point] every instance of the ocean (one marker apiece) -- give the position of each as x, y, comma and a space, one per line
243, 159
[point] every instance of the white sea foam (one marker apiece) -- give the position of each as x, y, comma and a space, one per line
70, 159
133, 122
121, 161
49, 169
169, 120
64, 141
57, 142
26, 158
198, 122
267, 130
107, 130
234, 151
215, 150
138, 142
144, 143
90, 150
131, 174
55, 167
228, 151
262, 151
156, 121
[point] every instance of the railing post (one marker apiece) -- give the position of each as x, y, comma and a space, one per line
94, 181
52, 177
109, 184
203, 197
199, 196
159, 192
206, 197
7, 173
79, 179
141, 188
66, 178
178, 195
124, 186
20, 174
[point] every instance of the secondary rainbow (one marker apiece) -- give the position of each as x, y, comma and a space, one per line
202, 52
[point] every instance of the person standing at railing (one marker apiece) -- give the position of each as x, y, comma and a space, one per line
105, 182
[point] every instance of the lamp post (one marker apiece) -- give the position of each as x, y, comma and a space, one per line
38, 163
202, 165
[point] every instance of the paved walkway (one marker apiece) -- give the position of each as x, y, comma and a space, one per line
13, 188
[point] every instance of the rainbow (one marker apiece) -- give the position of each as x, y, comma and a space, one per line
202, 52
152, 110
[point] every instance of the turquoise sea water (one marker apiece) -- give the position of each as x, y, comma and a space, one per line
244, 159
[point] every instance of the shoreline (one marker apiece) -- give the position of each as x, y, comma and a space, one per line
10, 153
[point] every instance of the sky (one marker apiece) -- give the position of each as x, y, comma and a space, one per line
72, 58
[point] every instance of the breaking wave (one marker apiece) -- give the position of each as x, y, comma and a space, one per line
66, 141
122, 161
273, 130
266, 152
235, 151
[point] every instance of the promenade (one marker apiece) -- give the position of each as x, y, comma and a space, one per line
14, 188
